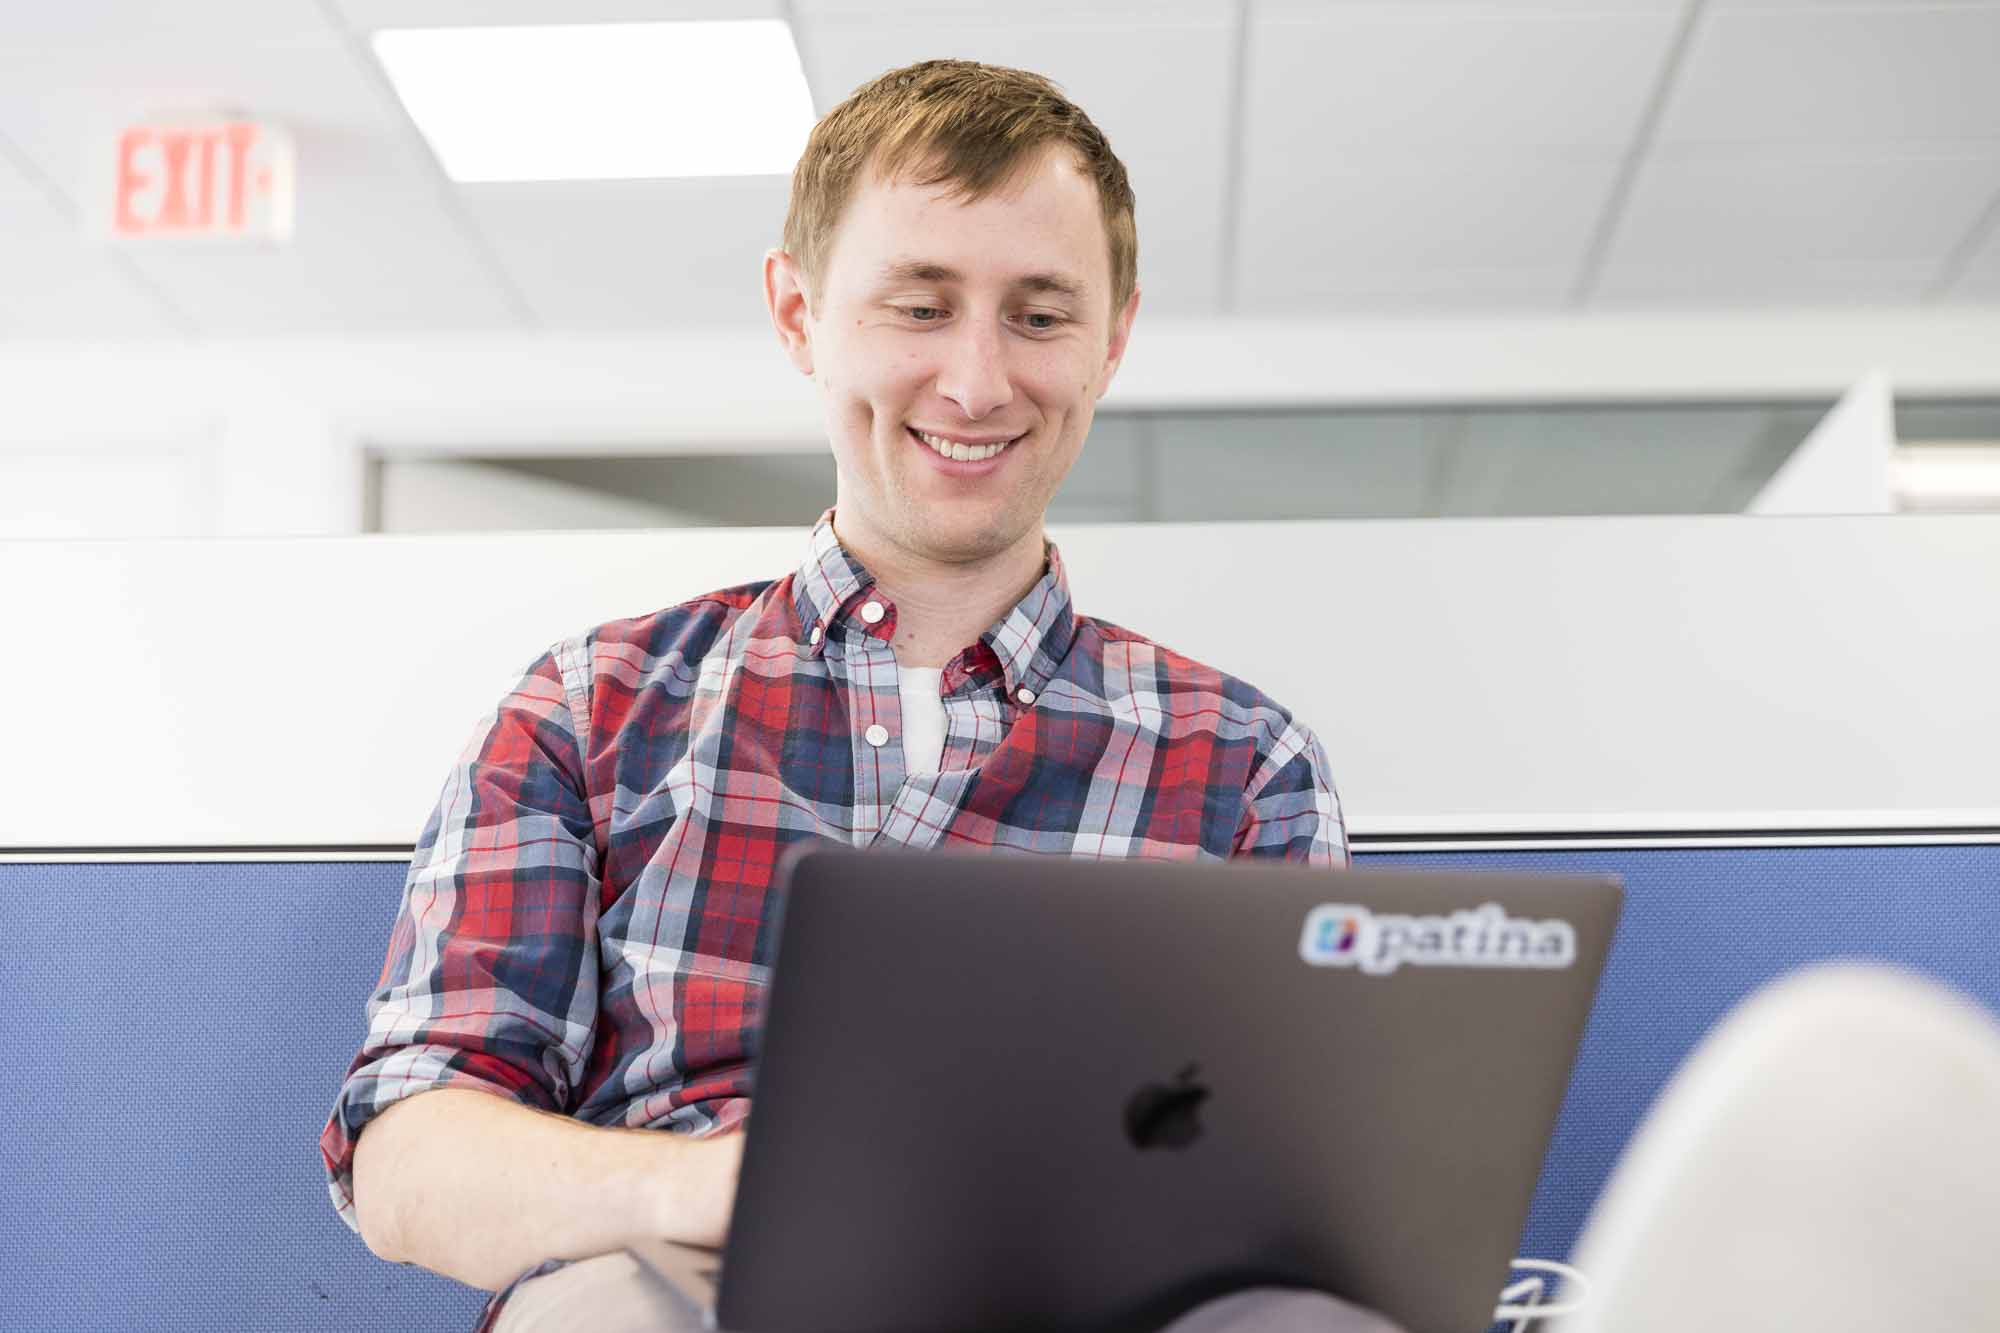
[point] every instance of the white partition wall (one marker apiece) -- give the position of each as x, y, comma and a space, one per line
1846, 465
1540, 677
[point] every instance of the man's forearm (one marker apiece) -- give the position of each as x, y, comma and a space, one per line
481, 1189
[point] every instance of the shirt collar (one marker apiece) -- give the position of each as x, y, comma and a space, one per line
1029, 642
827, 580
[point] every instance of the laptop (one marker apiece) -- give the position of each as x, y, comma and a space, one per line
1010, 1091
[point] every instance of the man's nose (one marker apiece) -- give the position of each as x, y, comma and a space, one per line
974, 372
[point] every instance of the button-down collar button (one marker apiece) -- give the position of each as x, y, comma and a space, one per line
877, 735
1025, 695
872, 613
818, 634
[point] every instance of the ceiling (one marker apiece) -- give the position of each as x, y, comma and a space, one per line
1291, 158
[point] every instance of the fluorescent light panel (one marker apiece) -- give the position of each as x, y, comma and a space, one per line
604, 101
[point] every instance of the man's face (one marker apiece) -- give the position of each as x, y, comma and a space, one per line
985, 327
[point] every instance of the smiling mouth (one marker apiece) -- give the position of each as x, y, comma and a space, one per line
958, 452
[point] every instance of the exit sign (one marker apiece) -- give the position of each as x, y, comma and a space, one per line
206, 180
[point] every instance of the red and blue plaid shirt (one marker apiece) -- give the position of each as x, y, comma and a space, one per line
587, 925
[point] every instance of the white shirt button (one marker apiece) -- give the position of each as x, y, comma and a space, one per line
877, 735
1025, 695
872, 613
818, 634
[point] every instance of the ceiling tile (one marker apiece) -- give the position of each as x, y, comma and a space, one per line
1884, 74
1155, 90
1825, 206
1433, 157
372, 258
90, 25
1500, 231
1292, 9
368, 15
55, 283
374, 247
1758, 226
997, 12
1979, 279
1848, 4
1725, 284
636, 254
1441, 289
1330, 81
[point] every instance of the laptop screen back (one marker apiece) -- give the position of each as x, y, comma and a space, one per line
999, 1091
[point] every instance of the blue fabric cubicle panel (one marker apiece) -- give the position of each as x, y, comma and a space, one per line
1702, 929
181, 1030
179, 1034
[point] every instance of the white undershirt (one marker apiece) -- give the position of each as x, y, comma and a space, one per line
923, 717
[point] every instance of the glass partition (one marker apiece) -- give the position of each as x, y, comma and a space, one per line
1417, 462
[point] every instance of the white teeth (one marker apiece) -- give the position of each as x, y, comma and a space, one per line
964, 453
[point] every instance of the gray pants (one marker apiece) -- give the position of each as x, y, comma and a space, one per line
615, 1293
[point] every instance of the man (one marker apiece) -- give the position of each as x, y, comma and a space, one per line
582, 947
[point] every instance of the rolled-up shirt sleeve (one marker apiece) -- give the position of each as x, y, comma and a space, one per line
490, 982
1292, 811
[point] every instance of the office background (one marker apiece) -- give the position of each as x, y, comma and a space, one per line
1476, 330
1663, 235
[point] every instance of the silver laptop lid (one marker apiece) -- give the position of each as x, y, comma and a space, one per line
1005, 1091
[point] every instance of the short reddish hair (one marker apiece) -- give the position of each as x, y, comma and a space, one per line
975, 126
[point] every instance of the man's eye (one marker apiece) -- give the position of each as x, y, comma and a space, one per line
1053, 322
924, 314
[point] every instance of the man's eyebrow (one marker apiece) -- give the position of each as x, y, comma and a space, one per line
918, 270
1056, 283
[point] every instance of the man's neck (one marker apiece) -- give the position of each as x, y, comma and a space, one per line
942, 608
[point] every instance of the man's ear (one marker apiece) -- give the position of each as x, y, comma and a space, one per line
1121, 333
791, 315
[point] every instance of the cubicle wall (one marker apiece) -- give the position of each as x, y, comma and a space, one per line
1467, 676
1705, 926
177, 1057
1779, 733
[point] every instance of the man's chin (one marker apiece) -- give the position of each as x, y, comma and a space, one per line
963, 543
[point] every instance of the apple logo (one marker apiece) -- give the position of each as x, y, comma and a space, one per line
1167, 1115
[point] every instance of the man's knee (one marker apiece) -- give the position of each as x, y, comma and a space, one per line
613, 1293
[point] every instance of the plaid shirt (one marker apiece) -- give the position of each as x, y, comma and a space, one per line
586, 926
